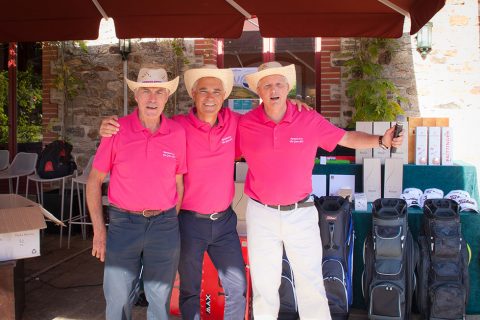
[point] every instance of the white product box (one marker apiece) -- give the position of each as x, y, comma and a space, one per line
379, 128
341, 181
372, 182
402, 152
21, 221
447, 147
434, 146
393, 180
421, 146
360, 154
360, 200
319, 185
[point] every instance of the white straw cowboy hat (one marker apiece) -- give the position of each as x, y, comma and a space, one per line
209, 70
269, 69
153, 78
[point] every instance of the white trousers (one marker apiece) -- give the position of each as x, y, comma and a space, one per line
267, 230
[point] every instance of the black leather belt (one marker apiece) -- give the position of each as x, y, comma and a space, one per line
212, 216
287, 207
145, 213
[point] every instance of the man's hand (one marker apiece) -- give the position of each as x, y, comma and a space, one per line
109, 127
99, 244
390, 141
301, 105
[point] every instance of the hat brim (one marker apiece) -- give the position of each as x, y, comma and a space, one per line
225, 75
171, 86
288, 72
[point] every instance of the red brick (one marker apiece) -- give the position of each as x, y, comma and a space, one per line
330, 81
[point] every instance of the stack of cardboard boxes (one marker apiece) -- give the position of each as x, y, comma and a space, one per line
430, 141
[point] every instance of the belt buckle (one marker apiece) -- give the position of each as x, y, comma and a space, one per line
146, 215
212, 216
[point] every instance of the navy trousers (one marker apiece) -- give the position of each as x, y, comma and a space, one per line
132, 240
220, 239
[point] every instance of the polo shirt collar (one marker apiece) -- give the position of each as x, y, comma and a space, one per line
137, 124
288, 117
199, 124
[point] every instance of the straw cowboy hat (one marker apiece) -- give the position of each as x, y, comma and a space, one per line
268, 69
153, 78
209, 70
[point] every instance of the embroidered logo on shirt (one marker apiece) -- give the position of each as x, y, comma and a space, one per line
227, 139
167, 154
296, 140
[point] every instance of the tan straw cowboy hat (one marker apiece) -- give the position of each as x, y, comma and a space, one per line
209, 71
269, 69
153, 78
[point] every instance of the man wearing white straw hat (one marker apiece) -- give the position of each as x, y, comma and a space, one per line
207, 222
279, 145
146, 161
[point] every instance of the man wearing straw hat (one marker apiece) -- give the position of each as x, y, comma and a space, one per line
207, 222
279, 145
146, 161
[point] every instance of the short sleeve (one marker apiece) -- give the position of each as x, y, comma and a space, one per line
328, 134
105, 155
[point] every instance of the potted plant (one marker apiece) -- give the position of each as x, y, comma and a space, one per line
374, 97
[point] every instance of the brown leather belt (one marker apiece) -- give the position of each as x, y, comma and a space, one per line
145, 213
287, 207
212, 216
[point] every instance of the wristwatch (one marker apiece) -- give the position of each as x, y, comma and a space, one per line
380, 143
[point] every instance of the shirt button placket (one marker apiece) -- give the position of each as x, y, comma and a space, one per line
275, 138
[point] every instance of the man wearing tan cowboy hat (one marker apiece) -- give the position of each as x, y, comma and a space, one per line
207, 222
279, 145
146, 161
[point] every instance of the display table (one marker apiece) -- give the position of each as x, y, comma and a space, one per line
446, 178
460, 176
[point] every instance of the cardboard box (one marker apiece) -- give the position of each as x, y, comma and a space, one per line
20, 223
413, 123
379, 128
434, 146
360, 154
393, 180
372, 182
447, 148
421, 146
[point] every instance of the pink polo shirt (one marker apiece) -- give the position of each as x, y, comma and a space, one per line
143, 165
209, 183
281, 156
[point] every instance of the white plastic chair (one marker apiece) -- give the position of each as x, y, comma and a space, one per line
39, 186
4, 159
82, 216
22, 165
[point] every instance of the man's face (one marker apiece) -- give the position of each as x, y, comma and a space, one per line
151, 101
273, 90
208, 96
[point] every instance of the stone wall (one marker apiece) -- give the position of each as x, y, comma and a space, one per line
100, 71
